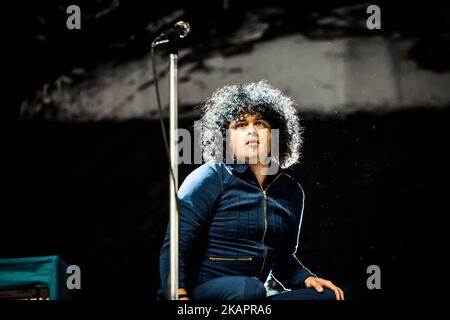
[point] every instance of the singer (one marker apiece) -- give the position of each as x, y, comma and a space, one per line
240, 226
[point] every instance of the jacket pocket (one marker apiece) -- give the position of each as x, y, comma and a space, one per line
229, 259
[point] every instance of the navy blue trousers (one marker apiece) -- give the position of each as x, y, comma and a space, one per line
250, 288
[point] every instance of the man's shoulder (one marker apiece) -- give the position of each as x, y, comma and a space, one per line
211, 170
212, 167
206, 169
292, 182
204, 176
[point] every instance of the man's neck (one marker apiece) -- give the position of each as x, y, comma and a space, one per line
258, 170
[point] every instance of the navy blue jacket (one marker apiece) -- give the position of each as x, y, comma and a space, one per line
229, 226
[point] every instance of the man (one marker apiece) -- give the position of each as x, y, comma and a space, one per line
239, 221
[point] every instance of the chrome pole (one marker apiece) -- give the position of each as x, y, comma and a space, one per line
174, 215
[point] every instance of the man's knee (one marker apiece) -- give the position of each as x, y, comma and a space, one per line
230, 288
327, 294
247, 288
304, 294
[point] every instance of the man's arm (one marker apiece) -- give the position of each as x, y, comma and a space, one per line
197, 197
292, 273
288, 269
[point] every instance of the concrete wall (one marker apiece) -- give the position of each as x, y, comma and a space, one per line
326, 77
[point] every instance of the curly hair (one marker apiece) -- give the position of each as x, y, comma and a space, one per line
228, 103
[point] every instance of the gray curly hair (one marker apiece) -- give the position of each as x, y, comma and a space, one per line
228, 103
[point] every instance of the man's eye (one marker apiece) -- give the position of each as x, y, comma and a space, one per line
262, 124
240, 125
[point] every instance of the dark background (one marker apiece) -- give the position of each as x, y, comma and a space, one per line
96, 192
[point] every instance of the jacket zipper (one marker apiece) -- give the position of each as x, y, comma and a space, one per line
229, 259
265, 220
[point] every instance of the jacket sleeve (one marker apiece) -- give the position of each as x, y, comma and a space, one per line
197, 197
288, 269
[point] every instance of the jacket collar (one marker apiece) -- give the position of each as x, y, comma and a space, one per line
245, 169
239, 167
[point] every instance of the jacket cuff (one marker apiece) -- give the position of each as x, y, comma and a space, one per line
298, 279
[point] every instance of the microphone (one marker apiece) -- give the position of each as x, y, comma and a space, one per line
178, 31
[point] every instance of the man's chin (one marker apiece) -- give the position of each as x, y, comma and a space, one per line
250, 159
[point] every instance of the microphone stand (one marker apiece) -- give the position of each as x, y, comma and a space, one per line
180, 30
173, 138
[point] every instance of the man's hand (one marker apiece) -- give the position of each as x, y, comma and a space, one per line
182, 294
319, 284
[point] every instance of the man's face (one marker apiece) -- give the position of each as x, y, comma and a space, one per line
250, 138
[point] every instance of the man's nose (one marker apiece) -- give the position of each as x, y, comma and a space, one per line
251, 130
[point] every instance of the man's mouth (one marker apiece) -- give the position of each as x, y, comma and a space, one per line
252, 141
